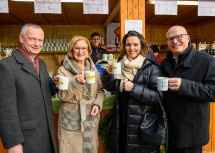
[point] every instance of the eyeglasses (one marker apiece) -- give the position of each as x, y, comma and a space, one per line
84, 49
177, 37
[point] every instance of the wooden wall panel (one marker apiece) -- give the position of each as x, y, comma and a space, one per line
205, 33
9, 36
10, 33
158, 33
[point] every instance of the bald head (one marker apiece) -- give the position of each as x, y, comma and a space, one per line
176, 29
177, 40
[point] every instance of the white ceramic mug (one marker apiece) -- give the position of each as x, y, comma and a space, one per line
90, 77
63, 83
162, 83
110, 56
116, 68
104, 57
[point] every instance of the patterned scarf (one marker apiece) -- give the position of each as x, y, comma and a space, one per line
71, 65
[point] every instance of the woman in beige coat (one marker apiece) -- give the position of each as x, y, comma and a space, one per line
81, 104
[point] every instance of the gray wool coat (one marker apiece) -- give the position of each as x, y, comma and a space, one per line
25, 105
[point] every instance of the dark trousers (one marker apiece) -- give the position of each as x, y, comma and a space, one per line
172, 149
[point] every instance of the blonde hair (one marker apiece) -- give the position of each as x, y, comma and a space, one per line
73, 42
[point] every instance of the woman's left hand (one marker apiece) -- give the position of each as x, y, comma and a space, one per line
128, 85
94, 110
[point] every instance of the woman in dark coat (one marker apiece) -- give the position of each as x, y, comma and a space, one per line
135, 88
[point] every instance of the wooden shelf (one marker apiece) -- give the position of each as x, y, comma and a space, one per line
53, 52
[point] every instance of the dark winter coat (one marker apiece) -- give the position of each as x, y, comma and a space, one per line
97, 53
188, 110
144, 93
25, 105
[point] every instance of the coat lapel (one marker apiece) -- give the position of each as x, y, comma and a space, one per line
27, 65
43, 71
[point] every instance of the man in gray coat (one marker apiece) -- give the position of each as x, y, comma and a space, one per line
26, 119
191, 88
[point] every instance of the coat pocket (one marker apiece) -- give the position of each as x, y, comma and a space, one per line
28, 125
71, 117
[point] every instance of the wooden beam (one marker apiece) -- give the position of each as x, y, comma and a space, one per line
112, 14
131, 10
142, 15
42, 18
16, 18
123, 17
64, 15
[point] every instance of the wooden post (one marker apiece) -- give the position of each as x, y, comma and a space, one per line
131, 10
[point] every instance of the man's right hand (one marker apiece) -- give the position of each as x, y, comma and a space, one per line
16, 149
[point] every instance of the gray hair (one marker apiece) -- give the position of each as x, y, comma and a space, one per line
26, 26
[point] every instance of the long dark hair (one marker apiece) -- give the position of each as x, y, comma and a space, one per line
143, 42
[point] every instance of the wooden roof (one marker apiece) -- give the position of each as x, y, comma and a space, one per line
72, 14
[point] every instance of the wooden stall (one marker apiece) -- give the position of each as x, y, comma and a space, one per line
72, 22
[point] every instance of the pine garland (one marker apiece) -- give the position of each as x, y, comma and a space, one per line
103, 131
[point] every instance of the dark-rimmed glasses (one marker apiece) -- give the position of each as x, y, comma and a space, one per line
177, 37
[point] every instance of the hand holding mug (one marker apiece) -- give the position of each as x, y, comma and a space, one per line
109, 68
80, 77
55, 79
174, 84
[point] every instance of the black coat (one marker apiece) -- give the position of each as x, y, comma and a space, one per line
128, 107
97, 54
188, 110
25, 105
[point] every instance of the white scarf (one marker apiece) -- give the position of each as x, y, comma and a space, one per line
129, 68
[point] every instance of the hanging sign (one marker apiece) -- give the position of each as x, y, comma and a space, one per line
133, 25
166, 7
206, 8
95, 7
112, 34
47, 6
4, 6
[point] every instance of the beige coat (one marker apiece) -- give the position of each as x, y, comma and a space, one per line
77, 130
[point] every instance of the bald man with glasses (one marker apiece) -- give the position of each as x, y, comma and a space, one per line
191, 88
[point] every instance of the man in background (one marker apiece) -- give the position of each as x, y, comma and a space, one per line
156, 51
26, 119
191, 88
97, 50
